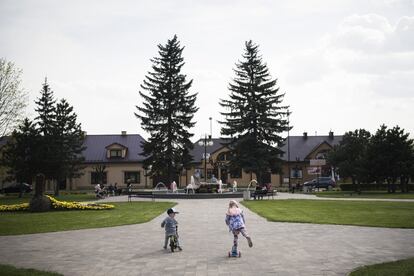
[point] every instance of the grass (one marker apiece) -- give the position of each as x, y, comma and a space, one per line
400, 268
365, 194
8, 270
18, 223
362, 213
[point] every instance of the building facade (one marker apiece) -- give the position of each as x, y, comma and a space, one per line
111, 159
298, 153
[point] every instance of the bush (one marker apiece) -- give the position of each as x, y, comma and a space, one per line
370, 187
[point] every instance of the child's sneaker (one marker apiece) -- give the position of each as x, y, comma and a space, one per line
249, 241
179, 248
164, 247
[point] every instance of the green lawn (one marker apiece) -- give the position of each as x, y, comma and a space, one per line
400, 268
8, 270
365, 194
363, 213
124, 213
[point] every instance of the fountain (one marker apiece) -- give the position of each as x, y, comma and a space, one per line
191, 186
252, 181
192, 191
160, 184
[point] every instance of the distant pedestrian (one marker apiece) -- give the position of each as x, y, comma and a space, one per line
234, 186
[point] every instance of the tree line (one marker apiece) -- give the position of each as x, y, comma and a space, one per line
51, 145
384, 157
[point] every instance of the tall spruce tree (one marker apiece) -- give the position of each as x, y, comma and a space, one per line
68, 139
166, 113
46, 121
254, 116
61, 138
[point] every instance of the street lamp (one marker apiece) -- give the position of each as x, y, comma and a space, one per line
288, 147
205, 142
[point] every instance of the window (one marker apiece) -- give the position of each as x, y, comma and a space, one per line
115, 153
296, 173
98, 178
222, 156
210, 173
134, 176
236, 173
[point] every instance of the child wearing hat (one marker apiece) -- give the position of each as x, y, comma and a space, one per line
170, 225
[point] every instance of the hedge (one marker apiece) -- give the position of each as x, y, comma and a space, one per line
371, 187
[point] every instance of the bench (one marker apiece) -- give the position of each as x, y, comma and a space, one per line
145, 194
261, 193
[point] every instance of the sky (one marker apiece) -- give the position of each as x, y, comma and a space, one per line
342, 65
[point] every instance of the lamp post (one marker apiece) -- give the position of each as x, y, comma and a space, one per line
205, 142
288, 147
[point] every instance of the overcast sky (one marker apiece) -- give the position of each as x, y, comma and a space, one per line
342, 65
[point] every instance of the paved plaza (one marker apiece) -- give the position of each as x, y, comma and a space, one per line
279, 248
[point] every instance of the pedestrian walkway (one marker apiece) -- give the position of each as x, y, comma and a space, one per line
279, 248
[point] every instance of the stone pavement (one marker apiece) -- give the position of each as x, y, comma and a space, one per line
279, 248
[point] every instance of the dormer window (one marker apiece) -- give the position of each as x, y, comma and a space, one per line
115, 153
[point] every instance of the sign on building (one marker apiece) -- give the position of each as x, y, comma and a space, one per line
317, 162
314, 170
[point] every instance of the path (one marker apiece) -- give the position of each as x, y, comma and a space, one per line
279, 248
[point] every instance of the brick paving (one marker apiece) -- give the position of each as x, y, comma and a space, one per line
279, 248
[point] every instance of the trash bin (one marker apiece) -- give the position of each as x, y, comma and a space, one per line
246, 195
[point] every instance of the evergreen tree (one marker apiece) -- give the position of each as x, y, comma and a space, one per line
166, 113
20, 154
46, 120
254, 116
61, 138
68, 140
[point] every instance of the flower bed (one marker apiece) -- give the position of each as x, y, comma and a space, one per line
14, 207
65, 205
59, 205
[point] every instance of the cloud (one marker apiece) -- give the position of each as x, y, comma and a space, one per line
362, 45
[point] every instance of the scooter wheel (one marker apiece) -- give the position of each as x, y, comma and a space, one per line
229, 254
239, 254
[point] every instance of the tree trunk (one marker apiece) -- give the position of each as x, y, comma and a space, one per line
57, 187
20, 190
39, 202
389, 185
402, 184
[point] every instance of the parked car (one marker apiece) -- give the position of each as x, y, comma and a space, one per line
321, 182
15, 188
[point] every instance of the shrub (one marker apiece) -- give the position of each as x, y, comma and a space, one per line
370, 187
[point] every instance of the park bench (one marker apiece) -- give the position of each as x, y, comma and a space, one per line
259, 194
136, 193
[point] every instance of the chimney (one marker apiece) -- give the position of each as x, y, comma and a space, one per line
305, 135
123, 133
331, 135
